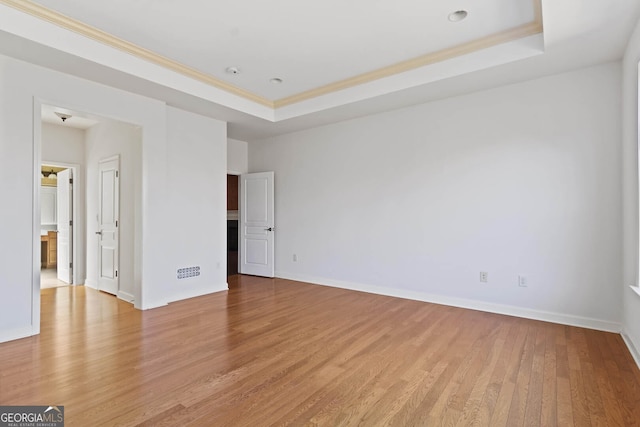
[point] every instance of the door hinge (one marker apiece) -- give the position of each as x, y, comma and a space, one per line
70, 180
116, 273
117, 173
70, 265
70, 222
116, 223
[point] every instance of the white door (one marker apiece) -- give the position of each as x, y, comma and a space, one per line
108, 216
48, 205
64, 215
257, 224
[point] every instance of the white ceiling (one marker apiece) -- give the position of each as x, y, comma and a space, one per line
77, 120
309, 45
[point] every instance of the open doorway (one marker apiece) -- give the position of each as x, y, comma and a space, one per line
73, 147
233, 191
62, 135
57, 212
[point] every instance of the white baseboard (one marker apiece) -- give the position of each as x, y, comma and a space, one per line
198, 292
126, 296
632, 347
91, 284
527, 313
16, 334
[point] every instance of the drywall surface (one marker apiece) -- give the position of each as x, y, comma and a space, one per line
237, 156
197, 191
23, 88
519, 180
62, 144
105, 140
631, 300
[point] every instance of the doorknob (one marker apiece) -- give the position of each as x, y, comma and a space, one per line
268, 229
99, 232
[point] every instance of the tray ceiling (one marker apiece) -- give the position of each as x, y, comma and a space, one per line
315, 48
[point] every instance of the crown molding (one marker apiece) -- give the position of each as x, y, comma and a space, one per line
103, 37
532, 28
76, 26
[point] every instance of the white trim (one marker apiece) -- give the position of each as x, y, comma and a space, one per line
36, 143
126, 296
636, 247
16, 334
527, 313
199, 292
632, 348
91, 284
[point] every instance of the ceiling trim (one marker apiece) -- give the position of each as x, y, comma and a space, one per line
56, 18
98, 35
522, 31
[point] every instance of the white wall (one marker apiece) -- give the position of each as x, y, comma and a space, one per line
103, 140
23, 87
237, 156
64, 144
631, 301
522, 179
197, 187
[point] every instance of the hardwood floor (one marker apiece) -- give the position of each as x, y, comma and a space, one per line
49, 278
278, 352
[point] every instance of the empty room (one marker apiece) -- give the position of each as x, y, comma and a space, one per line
410, 213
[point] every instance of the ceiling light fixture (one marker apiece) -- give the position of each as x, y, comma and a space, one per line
232, 70
458, 15
52, 174
275, 80
63, 116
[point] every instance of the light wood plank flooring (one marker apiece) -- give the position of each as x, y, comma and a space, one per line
278, 352
49, 278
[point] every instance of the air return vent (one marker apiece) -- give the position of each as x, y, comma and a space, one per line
186, 272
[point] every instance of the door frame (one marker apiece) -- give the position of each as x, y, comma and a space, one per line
229, 172
75, 238
92, 108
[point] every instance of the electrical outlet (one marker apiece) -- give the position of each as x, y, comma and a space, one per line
484, 276
522, 281
295, 258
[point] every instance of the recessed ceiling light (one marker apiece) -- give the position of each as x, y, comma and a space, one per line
233, 70
458, 15
275, 81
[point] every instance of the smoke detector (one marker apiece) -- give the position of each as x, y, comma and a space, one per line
458, 15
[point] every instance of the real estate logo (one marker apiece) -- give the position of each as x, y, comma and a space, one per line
31, 416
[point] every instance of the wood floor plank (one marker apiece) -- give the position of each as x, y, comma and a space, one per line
280, 352
493, 390
533, 410
519, 401
579, 402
